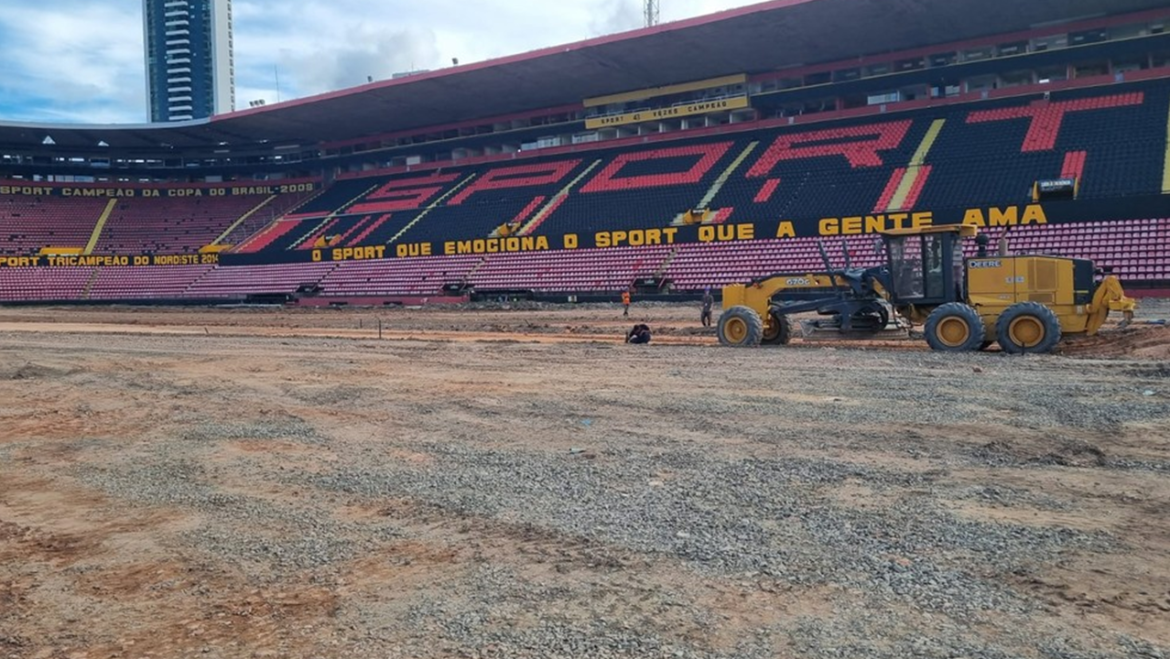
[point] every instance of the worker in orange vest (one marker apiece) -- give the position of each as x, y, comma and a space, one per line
626, 303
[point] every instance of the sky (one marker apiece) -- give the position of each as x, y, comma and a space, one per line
81, 61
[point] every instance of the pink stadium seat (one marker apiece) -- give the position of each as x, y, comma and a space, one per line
29, 223
148, 283
178, 225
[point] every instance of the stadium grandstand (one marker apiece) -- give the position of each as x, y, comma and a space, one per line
672, 158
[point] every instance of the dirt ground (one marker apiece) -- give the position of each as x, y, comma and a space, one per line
518, 483
672, 324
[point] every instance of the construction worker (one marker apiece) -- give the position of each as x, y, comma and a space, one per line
626, 303
640, 335
708, 302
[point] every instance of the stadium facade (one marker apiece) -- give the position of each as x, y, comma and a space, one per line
673, 158
189, 62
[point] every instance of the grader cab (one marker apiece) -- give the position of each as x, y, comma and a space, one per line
1025, 303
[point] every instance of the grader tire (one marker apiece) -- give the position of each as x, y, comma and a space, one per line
1028, 328
740, 327
779, 331
954, 327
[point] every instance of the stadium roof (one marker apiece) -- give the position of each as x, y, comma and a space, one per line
766, 36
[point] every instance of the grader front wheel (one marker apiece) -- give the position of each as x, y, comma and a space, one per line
954, 327
740, 327
778, 331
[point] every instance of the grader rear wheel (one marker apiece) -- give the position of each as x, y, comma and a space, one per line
740, 327
1028, 328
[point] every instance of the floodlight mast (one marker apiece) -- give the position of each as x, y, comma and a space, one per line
652, 14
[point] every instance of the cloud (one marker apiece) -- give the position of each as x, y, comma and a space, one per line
323, 47
375, 51
82, 60
616, 16
73, 60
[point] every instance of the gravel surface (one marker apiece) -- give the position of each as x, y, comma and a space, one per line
239, 496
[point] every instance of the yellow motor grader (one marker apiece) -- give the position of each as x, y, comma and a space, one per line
1025, 303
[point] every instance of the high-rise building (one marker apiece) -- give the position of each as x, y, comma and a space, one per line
189, 69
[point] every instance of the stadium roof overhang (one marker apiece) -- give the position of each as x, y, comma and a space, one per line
762, 37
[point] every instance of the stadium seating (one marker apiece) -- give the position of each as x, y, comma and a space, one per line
1136, 250
481, 199
570, 271
397, 277
645, 188
698, 266
43, 284
350, 212
171, 225
336, 196
241, 281
28, 224
276, 207
156, 283
986, 153
166, 225
945, 157
994, 155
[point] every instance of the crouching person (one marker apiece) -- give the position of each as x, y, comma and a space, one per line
640, 334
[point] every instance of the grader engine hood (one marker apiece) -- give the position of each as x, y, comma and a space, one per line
734, 295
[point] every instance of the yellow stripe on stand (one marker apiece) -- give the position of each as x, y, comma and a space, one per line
919, 159
435, 204
243, 218
557, 199
1166, 170
680, 219
101, 224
